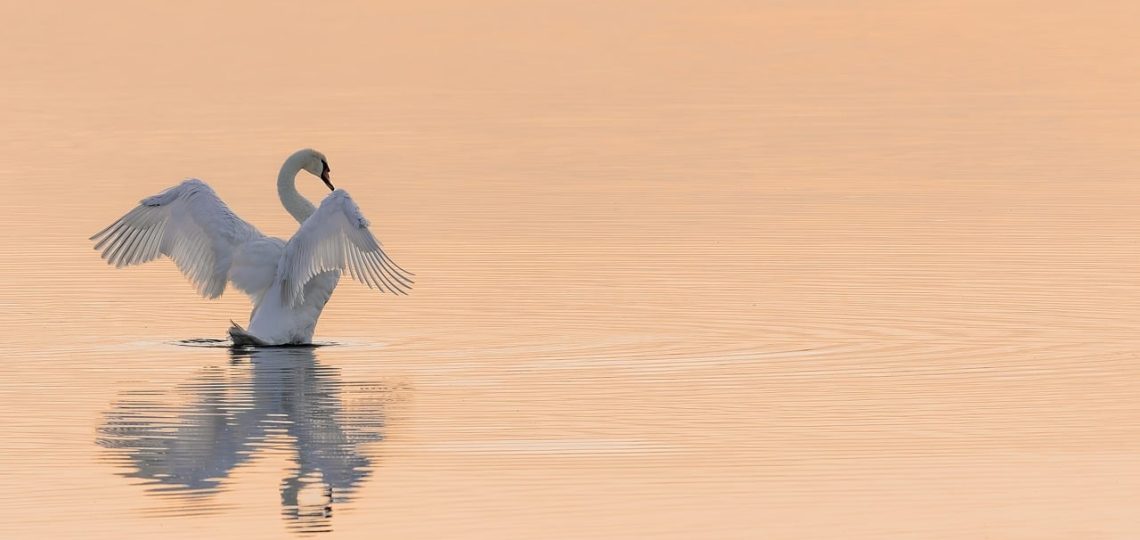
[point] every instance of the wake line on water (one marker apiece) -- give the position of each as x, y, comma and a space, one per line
215, 343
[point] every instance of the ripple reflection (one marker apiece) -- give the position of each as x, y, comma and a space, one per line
185, 442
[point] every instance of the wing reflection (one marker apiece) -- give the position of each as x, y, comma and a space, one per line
185, 442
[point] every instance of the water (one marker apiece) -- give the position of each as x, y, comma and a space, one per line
728, 270
184, 443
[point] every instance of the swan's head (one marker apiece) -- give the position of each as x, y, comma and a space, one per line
315, 163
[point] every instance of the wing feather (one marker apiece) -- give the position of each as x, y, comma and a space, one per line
336, 237
187, 223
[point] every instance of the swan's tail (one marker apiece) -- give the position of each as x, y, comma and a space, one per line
242, 338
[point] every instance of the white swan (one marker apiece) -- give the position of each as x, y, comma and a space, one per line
288, 282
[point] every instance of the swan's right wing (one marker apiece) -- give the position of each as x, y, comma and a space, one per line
187, 223
336, 238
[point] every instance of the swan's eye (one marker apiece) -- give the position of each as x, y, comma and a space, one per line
325, 167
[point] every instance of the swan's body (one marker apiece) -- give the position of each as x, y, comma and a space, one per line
289, 282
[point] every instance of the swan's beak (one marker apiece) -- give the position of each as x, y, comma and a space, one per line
325, 179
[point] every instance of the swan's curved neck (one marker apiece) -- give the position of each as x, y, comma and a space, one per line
295, 203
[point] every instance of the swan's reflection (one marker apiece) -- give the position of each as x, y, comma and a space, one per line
187, 441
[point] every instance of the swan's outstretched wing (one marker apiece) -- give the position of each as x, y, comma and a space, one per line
336, 237
187, 223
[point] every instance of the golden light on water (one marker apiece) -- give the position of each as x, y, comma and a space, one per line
715, 270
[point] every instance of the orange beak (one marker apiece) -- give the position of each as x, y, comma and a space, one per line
325, 175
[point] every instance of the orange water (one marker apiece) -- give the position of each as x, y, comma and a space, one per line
684, 270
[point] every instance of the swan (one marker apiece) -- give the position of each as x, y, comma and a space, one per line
289, 282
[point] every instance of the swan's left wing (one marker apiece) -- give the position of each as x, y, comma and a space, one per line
192, 226
336, 237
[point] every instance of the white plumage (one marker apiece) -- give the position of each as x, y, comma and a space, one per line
288, 282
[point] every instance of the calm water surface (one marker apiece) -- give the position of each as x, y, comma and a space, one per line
727, 270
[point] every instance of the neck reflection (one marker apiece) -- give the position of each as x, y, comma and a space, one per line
186, 441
